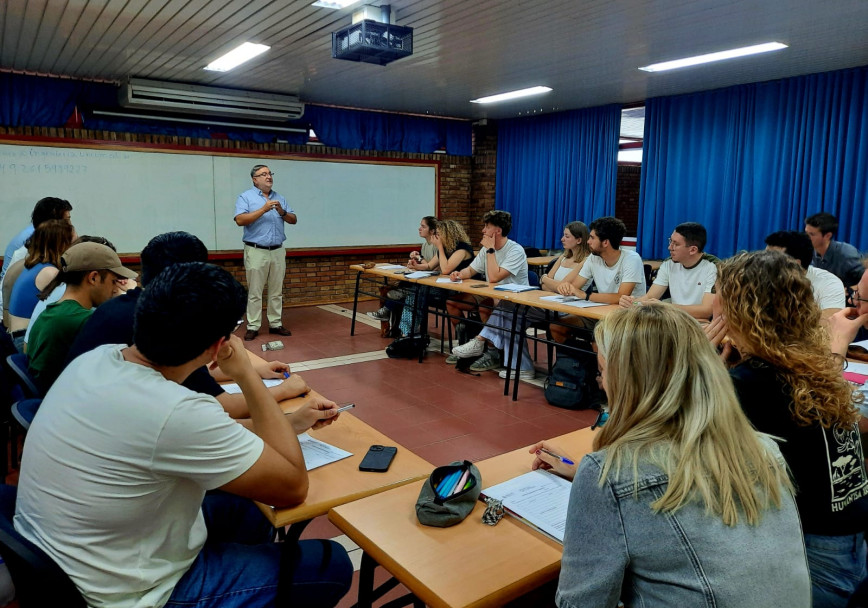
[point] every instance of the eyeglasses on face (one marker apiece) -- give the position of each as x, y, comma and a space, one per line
266, 174
855, 298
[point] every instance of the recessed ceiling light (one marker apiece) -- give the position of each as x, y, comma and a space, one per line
236, 57
511, 95
334, 3
683, 63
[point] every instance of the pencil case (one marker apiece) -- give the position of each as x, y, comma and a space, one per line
449, 494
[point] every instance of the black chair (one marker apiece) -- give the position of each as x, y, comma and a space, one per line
39, 582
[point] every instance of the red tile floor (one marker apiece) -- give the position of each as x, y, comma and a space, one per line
429, 407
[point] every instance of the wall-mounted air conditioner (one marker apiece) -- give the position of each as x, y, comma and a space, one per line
155, 95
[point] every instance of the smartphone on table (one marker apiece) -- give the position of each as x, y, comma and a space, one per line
378, 458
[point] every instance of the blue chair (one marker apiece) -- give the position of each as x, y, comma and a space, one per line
18, 364
532, 278
24, 411
39, 582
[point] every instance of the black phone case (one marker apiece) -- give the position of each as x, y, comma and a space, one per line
378, 458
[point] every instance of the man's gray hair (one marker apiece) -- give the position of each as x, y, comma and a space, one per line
256, 168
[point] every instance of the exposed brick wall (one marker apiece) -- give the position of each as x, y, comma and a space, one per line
483, 176
627, 197
315, 279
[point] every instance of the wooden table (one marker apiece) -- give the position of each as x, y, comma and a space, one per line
470, 564
541, 263
341, 482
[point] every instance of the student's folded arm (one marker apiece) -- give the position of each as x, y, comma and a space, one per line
272, 480
654, 293
613, 298
698, 311
452, 261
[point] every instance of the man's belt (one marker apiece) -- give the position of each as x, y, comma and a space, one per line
255, 246
17, 333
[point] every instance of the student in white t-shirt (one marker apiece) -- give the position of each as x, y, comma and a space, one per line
615, 272
829, 290
687, 275
500, 260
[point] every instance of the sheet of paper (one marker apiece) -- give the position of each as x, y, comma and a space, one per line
391, 267
318, 453
514, 287
539, 498
234, 389
419, 274
448, 280
857, 368
584, 304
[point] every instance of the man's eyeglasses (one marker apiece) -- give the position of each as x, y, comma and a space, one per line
266, 174
855, 298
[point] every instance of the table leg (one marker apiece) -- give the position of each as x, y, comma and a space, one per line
355, 304
520, 347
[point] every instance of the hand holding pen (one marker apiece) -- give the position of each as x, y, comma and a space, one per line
550, 458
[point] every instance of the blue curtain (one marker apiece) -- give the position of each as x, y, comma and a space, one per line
748, 160
360, 130
28, 101
555, 169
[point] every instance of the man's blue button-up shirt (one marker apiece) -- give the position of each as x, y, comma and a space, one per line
268, 230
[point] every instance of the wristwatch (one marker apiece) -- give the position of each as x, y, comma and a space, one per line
490, 250
282, 214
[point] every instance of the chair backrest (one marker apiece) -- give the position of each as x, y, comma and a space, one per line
532, 252
24, 411
18, 364
39, 582
532, 278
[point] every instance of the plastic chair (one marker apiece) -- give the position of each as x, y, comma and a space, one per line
24, 411
18, 364
39, 582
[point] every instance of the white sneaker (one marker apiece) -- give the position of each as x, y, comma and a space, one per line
525, 374
474, 348
383, 314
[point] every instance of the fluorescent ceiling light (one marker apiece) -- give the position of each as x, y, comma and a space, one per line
683, 63
512, 95
236, 57
334, 3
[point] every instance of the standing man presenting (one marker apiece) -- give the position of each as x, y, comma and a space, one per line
262, 213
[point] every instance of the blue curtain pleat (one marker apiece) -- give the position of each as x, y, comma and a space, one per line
28, 101
555, 169
361, 130
748, 160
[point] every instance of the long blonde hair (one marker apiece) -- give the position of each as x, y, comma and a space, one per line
451, 233
672, 401
768, 303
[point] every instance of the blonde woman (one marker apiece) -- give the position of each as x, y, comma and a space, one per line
682, 503
790, 385
576, 250
453, 252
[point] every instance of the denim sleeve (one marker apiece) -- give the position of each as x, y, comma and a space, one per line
595, 552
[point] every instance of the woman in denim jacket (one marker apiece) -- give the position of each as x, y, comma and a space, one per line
682, 503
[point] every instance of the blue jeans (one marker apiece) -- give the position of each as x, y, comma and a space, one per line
837, 565
240, 566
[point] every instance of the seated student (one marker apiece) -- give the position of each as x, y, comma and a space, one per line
499, 326
687, 274
112, 323
829, 291
427, 228
841, 259
89, 271
790, 385
500, 260
41, 265
56, 289
454, 252
614, 272
118, 461
48, 208
682, 503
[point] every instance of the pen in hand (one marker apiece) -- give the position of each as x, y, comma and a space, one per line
561, 458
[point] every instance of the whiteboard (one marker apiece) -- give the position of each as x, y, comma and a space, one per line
129, 196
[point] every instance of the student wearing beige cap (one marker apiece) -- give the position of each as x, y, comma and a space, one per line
90, 271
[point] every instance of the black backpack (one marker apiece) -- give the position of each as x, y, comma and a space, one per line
573, 382
408, 347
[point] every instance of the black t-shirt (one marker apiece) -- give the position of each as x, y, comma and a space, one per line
827, 465
112, 323
462, 246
